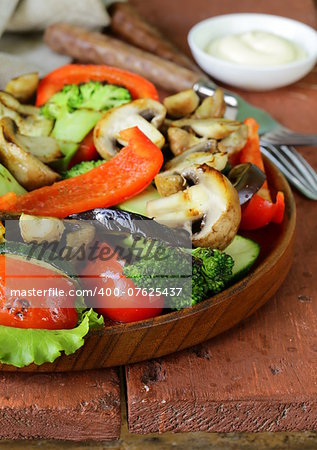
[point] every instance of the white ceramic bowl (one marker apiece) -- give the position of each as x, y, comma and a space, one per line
252, 77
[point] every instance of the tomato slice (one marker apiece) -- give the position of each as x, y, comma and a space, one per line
30, 280
116, 296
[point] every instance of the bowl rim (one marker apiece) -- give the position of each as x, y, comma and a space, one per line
251, 278
309, 58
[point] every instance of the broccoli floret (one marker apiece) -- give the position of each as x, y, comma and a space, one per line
102, 97
93, 95
58, 103
77, 108
210, 271
215, 267
83, 167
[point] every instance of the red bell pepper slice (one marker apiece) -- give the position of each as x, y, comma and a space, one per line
119, 179
138, 86
260, 210
86, 151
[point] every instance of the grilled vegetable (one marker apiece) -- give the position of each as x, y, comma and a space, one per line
209, 128
260, 210
235, 141
213, 106
29, 171
28, 118
138, 203
40, 229
41, 333
86, 151
29, 311
54, 82
181, 140
198, 275
117, 222
146, 114
210, 201
104, 186
81, 236
173, 180
77, 108
23, 88
247, 180
181, 104
44, 148
8, 183
81, 168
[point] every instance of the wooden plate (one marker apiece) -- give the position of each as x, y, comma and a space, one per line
119, 344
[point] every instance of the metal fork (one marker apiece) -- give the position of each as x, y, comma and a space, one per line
295, 168
285, 136
270, 130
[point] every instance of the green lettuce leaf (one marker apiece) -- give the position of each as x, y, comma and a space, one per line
20, 347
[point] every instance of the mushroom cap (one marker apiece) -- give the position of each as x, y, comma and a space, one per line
145, 113
219, 228
171, 180
212, 200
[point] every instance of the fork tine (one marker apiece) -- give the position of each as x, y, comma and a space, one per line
307, 168
292, 179
282, 135
289, 164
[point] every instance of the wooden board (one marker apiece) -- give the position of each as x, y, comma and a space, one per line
260, 376
75, 407
290, 322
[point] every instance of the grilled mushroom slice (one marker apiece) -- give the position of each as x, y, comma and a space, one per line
45, 148
210, 202
27, 117
235, 141
147, 114
209, 128
40, 229
181, 104
213, 106
172, 180
29, 171
24, 87
206, 146
180, 140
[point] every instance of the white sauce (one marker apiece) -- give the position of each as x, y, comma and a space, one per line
255, 48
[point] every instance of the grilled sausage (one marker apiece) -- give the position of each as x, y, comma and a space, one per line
92, 47
127, 23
